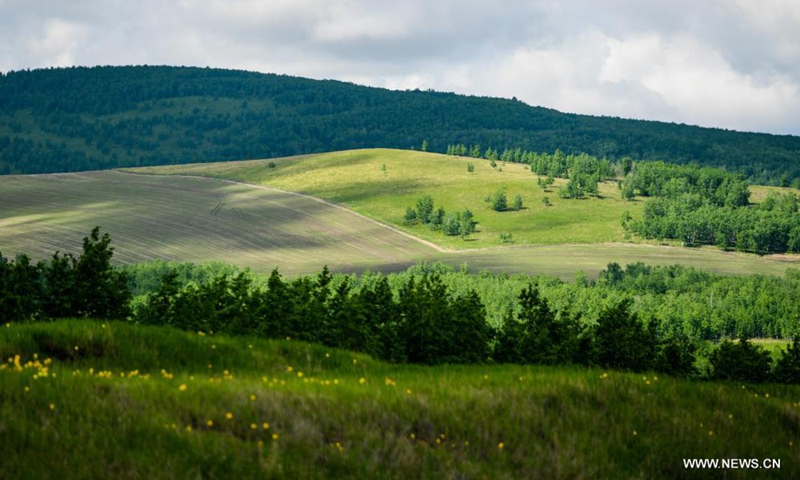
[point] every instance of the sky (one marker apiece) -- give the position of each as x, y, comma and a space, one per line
731, 64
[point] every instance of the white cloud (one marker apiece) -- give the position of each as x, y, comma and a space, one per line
727, 63
57, 42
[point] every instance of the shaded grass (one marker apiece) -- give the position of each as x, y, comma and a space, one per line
196, 220
399, 422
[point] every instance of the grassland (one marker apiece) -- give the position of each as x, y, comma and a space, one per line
382, 183
561, 239
200, 220
87, 400
194, 220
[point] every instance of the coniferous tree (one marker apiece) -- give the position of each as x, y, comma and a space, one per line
101, 292
622, 342
787, 368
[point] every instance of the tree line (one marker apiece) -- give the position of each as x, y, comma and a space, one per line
428, 315
424, 321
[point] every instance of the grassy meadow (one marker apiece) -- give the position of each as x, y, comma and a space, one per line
255, 226
381, 183
89, 400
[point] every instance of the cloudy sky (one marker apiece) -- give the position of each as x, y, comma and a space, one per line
724, 63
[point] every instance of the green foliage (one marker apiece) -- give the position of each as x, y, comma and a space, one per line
475, 151
707, 206
87, 286
410, 216
425, 209
676, 356
622, 342
696, 221
271, 165
535, 336
787, 366
459, 224
546, 201
506, 237
657, 179
466, 223
436, 328
470, 167
81, 119
498, 200
517, 205
741, 361
579, 185
627, 192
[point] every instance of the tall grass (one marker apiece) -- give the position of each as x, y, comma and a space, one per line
123, 401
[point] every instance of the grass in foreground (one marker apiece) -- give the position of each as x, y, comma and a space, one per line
89, 400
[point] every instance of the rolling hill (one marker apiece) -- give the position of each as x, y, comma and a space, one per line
263, 225
77, 119
194, 219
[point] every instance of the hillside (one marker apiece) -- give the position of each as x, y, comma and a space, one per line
194, 219
205, 219
77, 119
382, 183
154, 402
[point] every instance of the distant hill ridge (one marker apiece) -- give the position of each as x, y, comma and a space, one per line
75, 119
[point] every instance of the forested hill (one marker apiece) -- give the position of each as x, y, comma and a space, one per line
74, 119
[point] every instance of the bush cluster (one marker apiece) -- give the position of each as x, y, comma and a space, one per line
461, 223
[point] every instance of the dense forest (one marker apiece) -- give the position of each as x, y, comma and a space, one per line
639, 318
59, 120
708, 206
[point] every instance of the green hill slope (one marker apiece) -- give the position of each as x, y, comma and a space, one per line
194, 219
87, 400
211, 219
78, 119
381, 184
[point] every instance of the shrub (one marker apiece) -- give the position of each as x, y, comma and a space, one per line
740, 361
